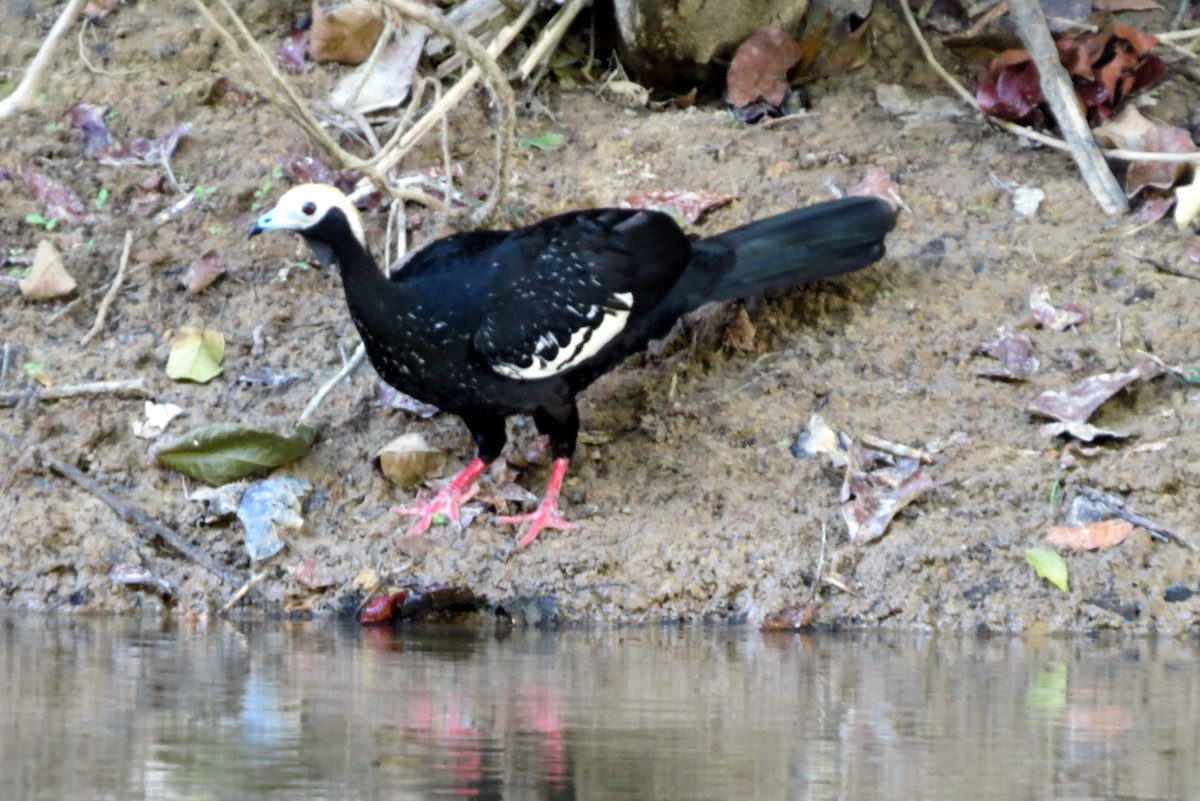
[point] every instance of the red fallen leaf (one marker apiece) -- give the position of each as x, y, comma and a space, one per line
1107, 66
1011, 89
382, 609
1155, 210
1079, 402
1056, 318
61, 202
1089, 537
89, 118
878, 183
290, 53
690, 204
791, 618
202, 272
1015, 352
419, 602
759, 68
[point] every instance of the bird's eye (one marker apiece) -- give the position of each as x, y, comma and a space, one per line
309, 208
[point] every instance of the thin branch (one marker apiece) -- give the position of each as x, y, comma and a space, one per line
106, 301
25, 95
1118, 507
1060, 97
355, 360
135, 387
149, 529
552, 34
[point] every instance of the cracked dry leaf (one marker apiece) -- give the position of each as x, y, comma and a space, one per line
1080, 401
1015, 352
872, 496
196, 355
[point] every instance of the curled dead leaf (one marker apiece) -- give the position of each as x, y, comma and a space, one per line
409, 460
48, 278
1090, 536
345, 35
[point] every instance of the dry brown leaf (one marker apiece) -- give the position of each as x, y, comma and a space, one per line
1090, 536
409, 460
345, 35
47, 278
202, 272
760, 66
740, 334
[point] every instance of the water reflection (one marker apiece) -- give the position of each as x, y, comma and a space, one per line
121, 710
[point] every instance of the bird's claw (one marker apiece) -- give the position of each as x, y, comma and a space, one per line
446, 502
545, 516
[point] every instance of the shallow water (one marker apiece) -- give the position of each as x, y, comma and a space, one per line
126, 710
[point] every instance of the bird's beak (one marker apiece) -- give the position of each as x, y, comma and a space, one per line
263, 223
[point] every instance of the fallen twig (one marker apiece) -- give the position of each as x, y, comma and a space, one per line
1118, 507
355, 359
241, 592
552, 34
130, 386
25, 95
149, 529
895, 448
65, 310
106, 301
1064, 105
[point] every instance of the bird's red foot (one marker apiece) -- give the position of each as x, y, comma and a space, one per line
460, 490
546, 515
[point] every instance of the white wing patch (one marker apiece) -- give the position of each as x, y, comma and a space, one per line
550, 357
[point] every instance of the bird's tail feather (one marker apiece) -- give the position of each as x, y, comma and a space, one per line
803, 245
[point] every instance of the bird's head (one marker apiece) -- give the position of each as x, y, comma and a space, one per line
321, 214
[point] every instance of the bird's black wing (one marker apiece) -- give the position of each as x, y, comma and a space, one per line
570, 285
453, 250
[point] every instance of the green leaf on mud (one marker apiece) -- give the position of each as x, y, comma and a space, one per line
225, 452
1049, 565
196, 355
545, 142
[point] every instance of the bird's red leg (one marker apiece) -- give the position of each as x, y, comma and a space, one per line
546, 515
458, 491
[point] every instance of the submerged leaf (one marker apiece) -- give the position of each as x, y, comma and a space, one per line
1049, 565
218, 454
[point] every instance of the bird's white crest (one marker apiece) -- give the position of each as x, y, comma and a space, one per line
305, 205
584, 343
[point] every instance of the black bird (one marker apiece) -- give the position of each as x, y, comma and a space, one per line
489, 324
